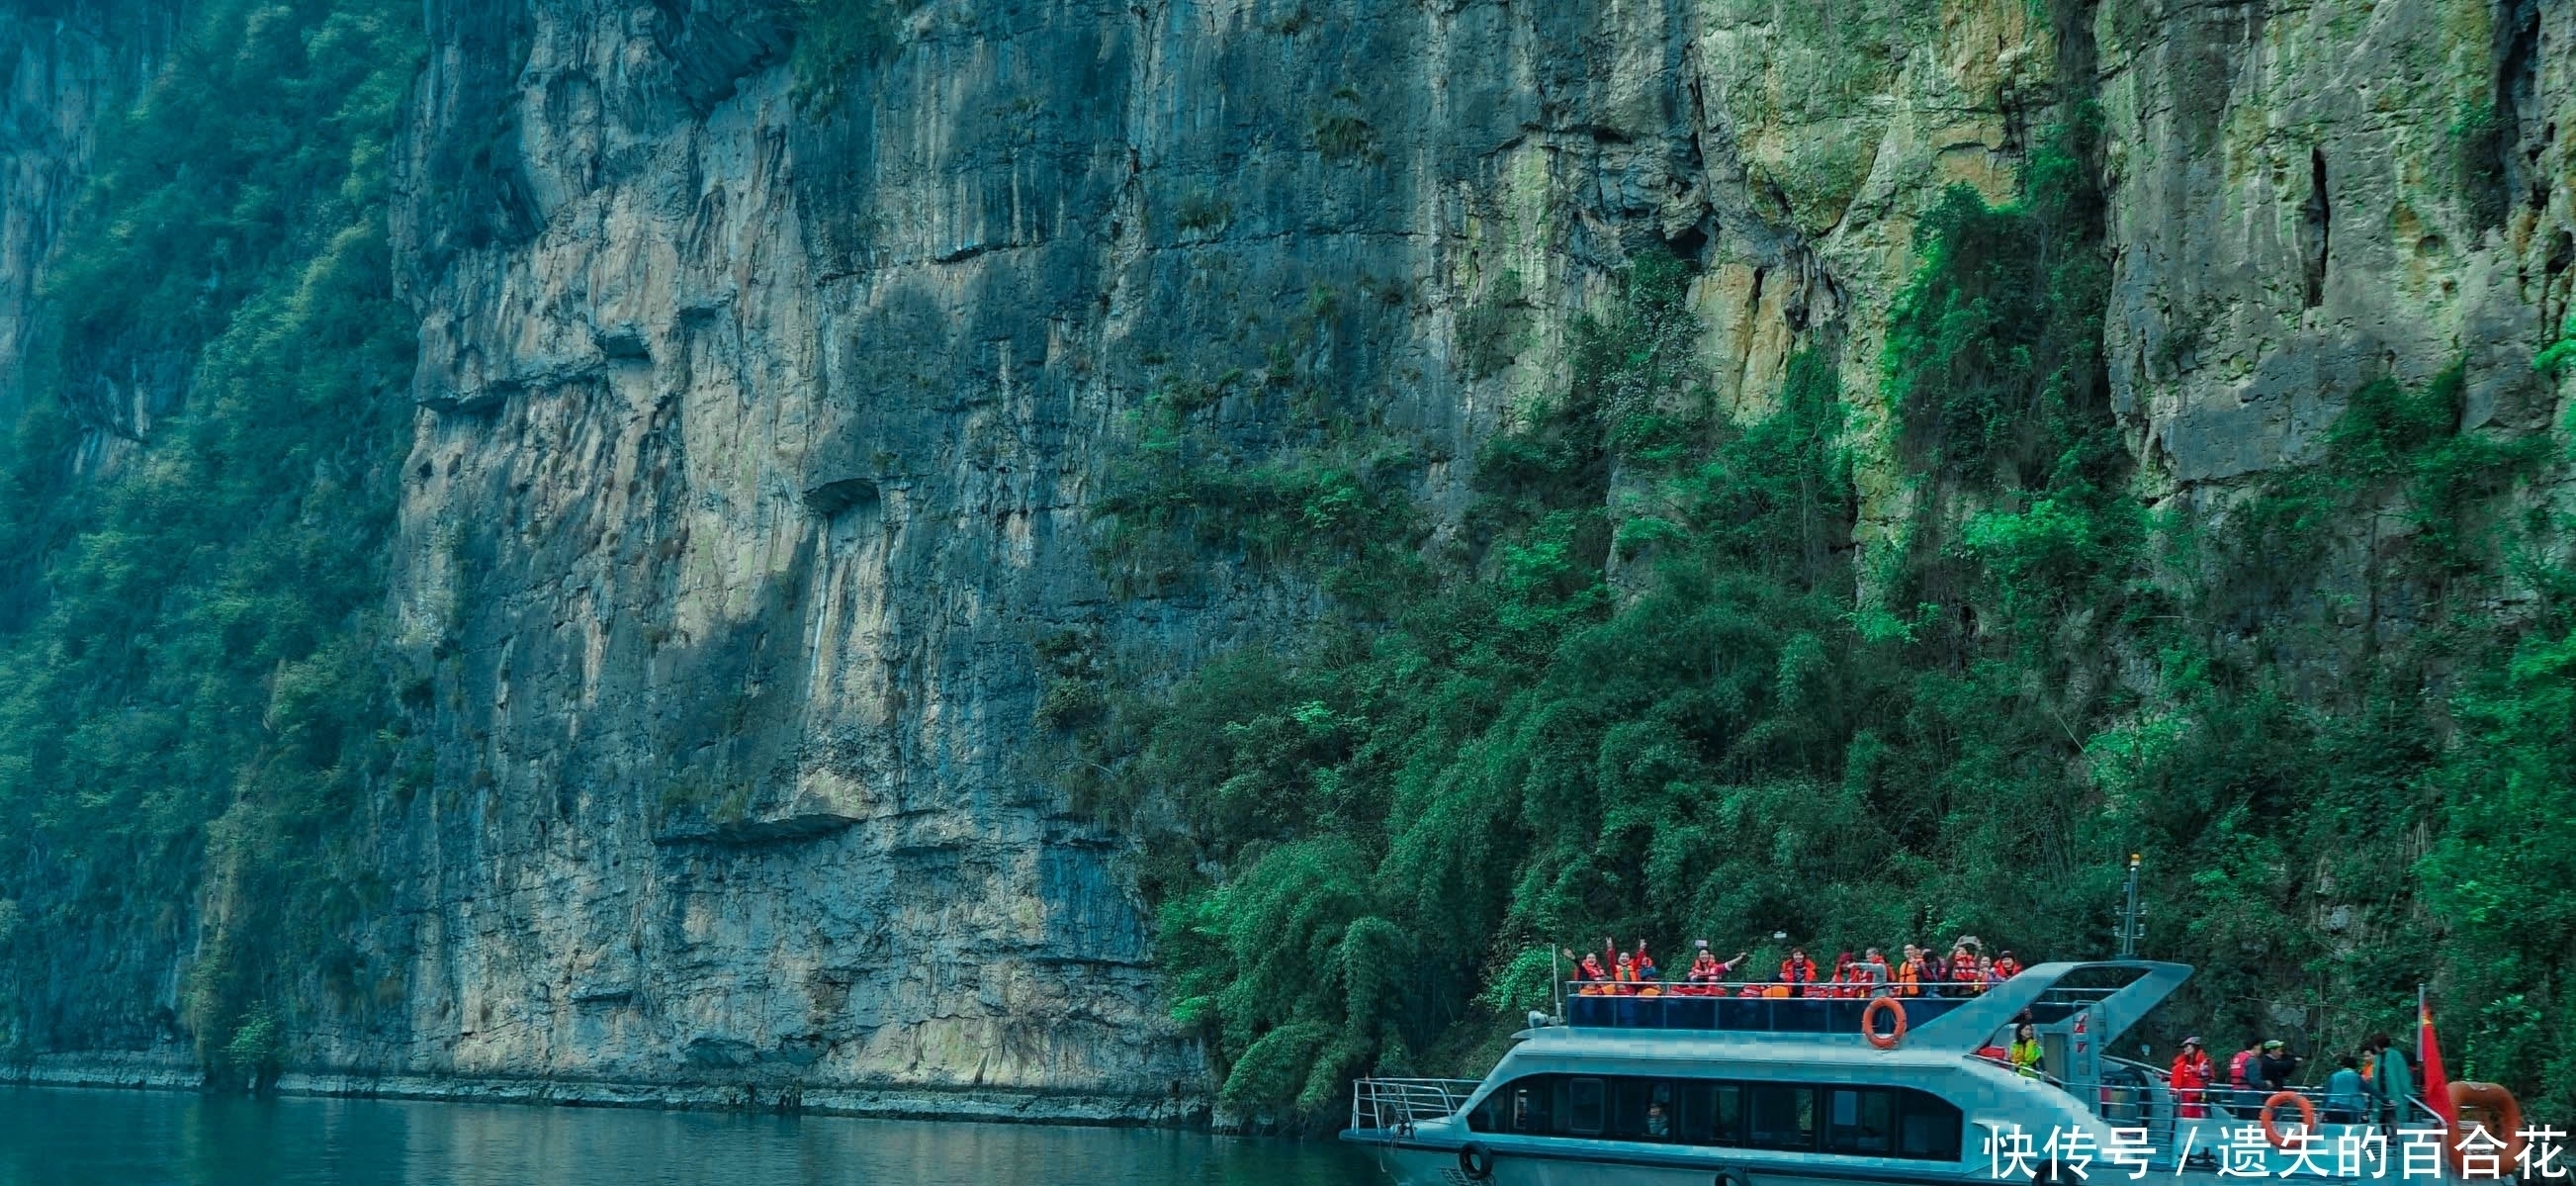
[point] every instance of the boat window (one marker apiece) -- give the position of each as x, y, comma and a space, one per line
1710, 1113
1835, 1119
1860, 1120
1931, 1128
1533, 1103
1528, 1104
1779, 1116
1641, 1109
1584, 1113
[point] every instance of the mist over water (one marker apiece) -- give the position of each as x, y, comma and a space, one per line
52, 1136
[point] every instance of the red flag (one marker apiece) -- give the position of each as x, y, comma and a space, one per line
2437, 1085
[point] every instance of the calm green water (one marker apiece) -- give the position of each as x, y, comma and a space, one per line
128, 1138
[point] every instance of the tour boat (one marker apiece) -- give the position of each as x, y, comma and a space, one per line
1766, 1090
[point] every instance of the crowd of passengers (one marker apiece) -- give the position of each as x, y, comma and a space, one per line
1967, 971
2369, 1087
2364, 1088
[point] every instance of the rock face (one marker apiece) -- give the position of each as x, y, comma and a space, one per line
2306, 198
758, 421
63, 65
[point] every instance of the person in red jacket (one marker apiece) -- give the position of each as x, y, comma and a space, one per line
2006, 967
2242, 1098
1963, 969
1799, 972
2189, 1079
1844, 981
1589, 971
1612, 960
1706, 972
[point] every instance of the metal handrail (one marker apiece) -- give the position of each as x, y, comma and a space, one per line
1391, 1105
2156, 1093
1832, 988
2035, 1075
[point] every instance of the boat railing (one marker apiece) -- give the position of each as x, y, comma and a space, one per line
1752, 1006
2135, 1095
1772, 1006
2148, 1100
2032, 1073
1396, 1105
1802, 989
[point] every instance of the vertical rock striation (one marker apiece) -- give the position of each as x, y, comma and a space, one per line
757, 437
2306, 198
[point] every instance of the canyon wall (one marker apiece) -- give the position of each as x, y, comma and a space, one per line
63, 68
760, 419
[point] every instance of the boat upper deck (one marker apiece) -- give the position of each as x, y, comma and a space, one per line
2115, 993
1760, 1014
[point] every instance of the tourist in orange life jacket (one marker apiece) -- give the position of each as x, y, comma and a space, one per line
1611, 957
1911, 974
2189, 1079
1842, 978
1624, 977
1647, 972
1986, 977
2006, 967
1800, 971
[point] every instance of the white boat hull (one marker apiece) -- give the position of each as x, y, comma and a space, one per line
1431, 1156
1431, 1167
1418, 1166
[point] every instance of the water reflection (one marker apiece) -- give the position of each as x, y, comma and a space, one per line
54, 1136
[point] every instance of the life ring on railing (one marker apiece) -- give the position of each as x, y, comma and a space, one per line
2501, 1110
1475, 1161
2307, 1117
1869, 1027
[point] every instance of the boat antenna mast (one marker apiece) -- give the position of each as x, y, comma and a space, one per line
2130, 930
1555, 984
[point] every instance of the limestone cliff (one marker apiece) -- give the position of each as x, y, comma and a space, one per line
759, 419
62, 67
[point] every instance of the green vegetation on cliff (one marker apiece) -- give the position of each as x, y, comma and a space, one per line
189, 691
1646, 695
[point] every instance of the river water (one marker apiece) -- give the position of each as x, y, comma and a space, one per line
52, 1136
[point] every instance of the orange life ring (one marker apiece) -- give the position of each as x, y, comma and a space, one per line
2500, 1107
2307, 1117
1869, 1027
